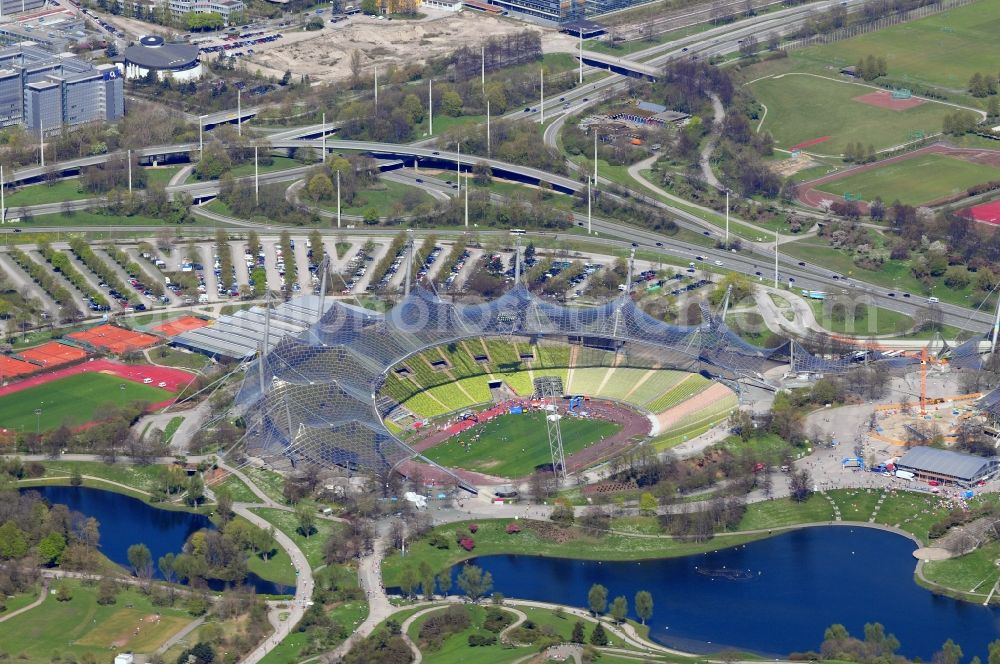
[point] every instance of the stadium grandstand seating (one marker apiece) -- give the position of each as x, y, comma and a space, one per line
684, 390
655, 384
586, 380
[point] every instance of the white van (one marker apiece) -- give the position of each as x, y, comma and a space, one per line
933, 300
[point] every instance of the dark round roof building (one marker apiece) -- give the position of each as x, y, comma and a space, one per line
176, 60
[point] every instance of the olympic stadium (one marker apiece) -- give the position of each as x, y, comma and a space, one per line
331, 394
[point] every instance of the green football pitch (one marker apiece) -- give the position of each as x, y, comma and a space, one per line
75, 399
803, 107
943, 50
514, 445
915, 181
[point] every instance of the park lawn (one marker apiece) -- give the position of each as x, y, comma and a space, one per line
268, 481
19, 601
536, 539
385, 198
82, 626
239, 491
867, 319
287, 523
349, 614
912, 511
75, 400
68, 189
917, 181
973, 572
496, 451
172, 426
456, 649
783, 512
277, 164
802, 107
277, 568
855, 504
943, 50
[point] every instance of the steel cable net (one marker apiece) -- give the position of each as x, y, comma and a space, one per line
314, 397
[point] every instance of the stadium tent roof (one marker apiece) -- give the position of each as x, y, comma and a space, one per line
239, 335
962, 467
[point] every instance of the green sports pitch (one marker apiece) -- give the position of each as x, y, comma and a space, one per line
75, 400
917, 181
803, 107
941, 51
514, 445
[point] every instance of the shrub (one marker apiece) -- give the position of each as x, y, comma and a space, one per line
473, 528
438, 541
467, 543
513, 528
476, 640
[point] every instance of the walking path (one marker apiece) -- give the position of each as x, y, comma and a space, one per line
41, 598
173, 640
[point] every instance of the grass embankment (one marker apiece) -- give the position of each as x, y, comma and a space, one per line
81, 626
385, 198
867, 319
641, 537
181, 359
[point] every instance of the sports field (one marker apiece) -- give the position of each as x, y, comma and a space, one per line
805, 107
943, 50
82, 626
917, 181
514, 445
75, 399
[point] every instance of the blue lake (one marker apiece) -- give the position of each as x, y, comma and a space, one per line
126, 521
772, 597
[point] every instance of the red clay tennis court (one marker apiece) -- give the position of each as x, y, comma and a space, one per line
53, 353
883, 99
183, 324
11, 368
114, 339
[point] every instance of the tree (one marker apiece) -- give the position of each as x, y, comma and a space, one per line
13, 541
599, 637
597, 599
306, 518
994, 656
320, 188
578, 635
444, 582
224, 505
63, 593
141, 561
195, 490
51, 547
619, 608
356, 66
107, 591
800, 486
644, 605
474, 582
451, 103
75, 478
950, 653
647, 503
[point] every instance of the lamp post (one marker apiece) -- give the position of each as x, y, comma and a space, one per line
38, 421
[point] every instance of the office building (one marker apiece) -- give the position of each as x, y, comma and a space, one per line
225, 8
42, 91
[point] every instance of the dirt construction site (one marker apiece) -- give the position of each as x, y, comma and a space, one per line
324, 55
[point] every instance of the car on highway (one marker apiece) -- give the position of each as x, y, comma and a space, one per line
802, 264
906, 295
659, 244
17, 230
418, 180
435, 153
586, 99
684, 49
757, 273
892, 295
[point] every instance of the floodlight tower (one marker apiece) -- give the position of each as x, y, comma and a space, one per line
555, 442
409, 260
517, 260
